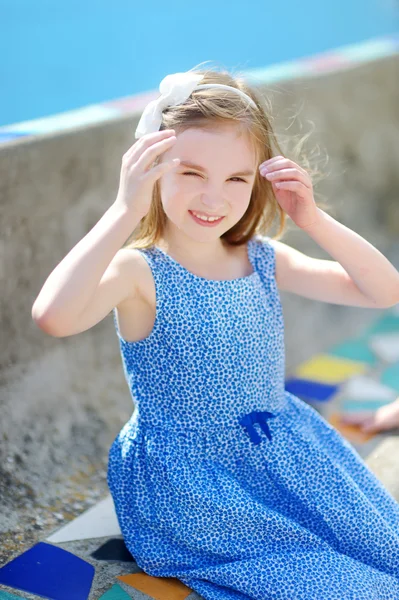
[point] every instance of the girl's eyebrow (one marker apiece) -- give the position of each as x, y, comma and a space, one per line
187, 163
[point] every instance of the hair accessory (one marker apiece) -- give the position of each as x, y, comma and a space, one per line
175, 89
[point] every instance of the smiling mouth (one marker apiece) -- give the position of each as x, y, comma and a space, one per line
206, 216
207, 221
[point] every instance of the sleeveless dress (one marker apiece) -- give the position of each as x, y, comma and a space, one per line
223, 479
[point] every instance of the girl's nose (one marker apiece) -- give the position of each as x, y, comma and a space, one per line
212, 202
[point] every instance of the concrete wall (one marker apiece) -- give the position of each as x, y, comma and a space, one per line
64, 400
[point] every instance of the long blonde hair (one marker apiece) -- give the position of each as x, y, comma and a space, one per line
206, 109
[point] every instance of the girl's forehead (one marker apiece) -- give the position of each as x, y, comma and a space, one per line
216, 131
228, 139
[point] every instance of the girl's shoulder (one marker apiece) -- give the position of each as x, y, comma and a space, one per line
136, 314
140, 261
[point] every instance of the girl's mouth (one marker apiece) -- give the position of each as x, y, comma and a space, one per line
205, 223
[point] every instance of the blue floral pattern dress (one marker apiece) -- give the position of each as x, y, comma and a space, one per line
223, 479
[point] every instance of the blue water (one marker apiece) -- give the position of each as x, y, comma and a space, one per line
57, 56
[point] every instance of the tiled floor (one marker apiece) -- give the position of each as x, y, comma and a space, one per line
87, 559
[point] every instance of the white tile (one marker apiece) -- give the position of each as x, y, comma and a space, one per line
386, 346
364, 388
99, 521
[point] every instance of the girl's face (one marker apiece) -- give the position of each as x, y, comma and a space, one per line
214, 178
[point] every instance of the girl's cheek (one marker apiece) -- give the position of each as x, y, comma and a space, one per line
189, 182
170, 186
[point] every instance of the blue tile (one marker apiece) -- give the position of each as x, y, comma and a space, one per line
50, 572
311, 390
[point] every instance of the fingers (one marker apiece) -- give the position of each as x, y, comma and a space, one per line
278, 162
149, 155
292, 186
284, 174
136, 149
157, 172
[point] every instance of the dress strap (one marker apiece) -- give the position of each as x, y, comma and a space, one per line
265, 256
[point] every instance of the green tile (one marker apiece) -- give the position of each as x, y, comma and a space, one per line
115, 593
353, 406
388, 323
356, 349
390, 377
7, 596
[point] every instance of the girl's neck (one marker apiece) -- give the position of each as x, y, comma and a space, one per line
225, 262
201, 254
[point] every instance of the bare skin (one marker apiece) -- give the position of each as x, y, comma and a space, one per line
383, 419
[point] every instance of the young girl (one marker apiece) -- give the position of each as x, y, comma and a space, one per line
221, 478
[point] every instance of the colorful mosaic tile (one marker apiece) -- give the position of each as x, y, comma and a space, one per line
352, 433
115, 593
386, 346
114, 549
7, 596
98, 521
329, 369
388, 323
159, 588
367, 388
50, 572
349, 406
390, 377
311, 390
356, 349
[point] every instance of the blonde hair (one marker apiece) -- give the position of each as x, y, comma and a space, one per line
208, 109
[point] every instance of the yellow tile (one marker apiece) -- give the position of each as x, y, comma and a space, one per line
159, 588
330, 369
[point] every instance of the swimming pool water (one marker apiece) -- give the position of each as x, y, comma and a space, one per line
57, 56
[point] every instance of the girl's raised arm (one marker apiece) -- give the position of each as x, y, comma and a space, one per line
91, 279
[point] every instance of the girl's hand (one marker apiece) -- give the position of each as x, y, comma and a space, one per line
384, 418
293, 189
138, 176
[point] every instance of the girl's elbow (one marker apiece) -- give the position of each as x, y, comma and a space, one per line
43, 323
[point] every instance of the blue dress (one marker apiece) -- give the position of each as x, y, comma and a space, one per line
223, 479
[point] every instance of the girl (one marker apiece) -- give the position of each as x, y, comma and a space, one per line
221, 478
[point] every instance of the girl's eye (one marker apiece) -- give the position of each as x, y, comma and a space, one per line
192, 173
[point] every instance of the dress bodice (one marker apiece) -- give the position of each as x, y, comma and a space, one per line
217, 346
